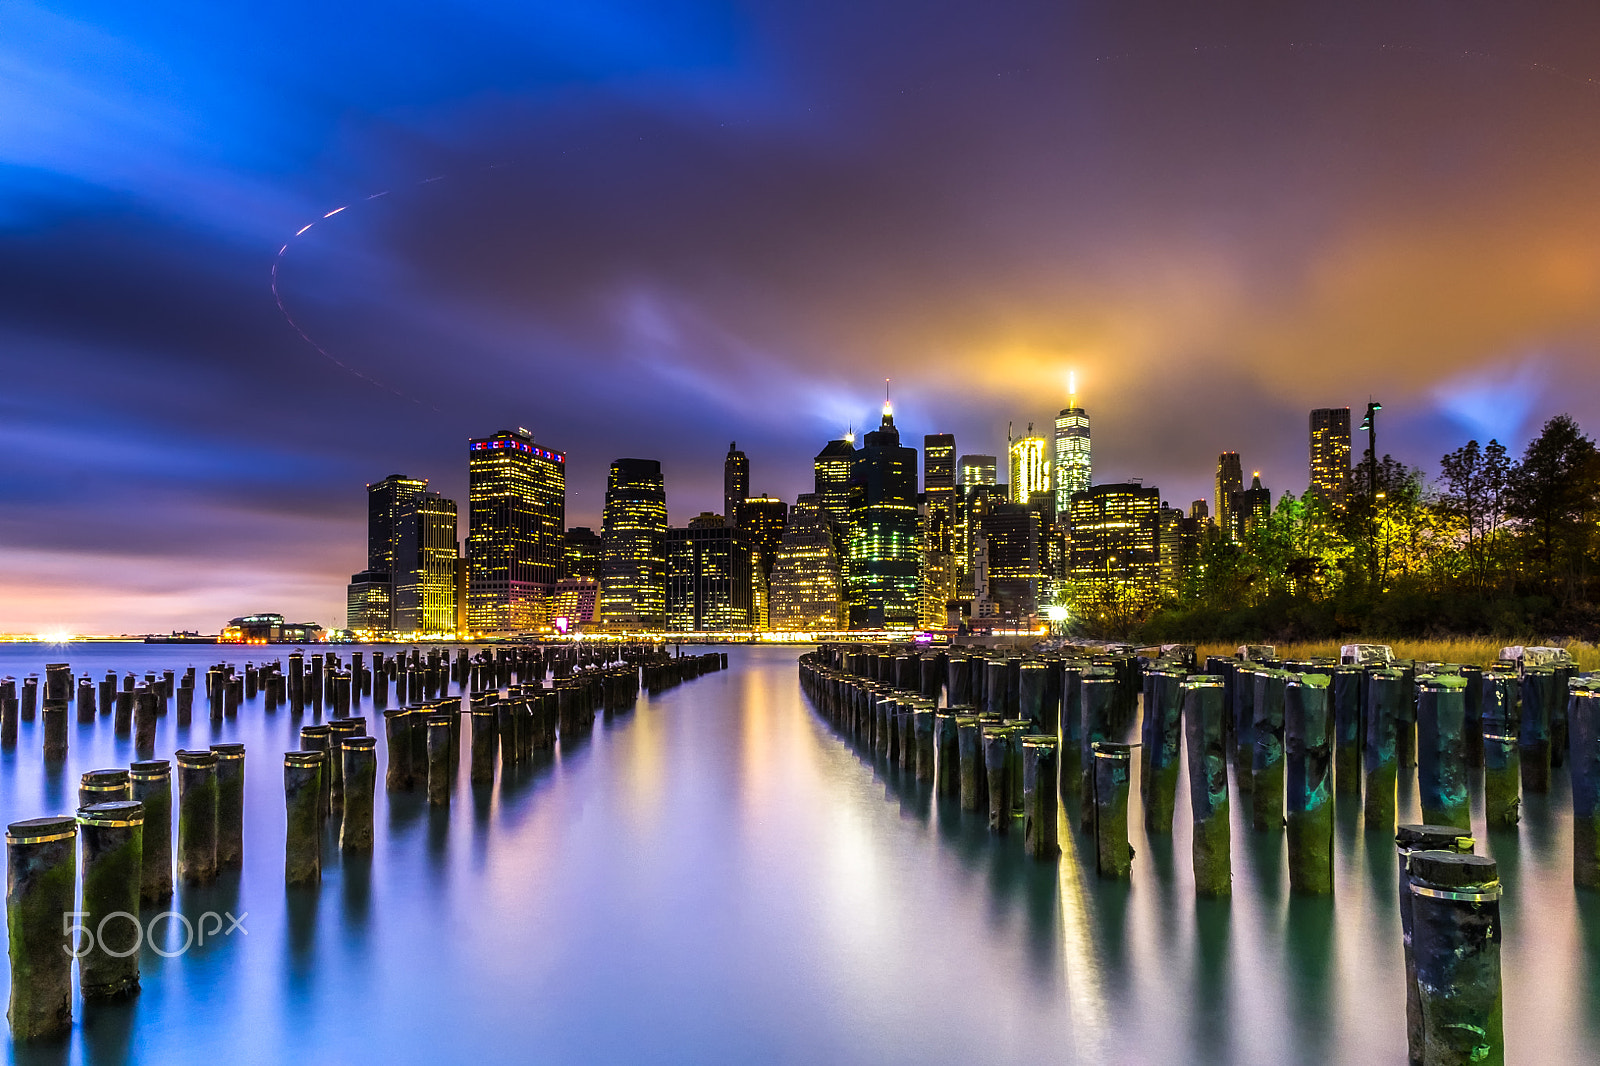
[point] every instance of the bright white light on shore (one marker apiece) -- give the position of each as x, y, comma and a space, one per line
1057, 614
56, 636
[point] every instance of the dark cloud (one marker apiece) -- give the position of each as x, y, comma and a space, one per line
658, 230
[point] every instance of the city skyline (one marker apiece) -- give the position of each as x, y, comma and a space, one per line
239, 284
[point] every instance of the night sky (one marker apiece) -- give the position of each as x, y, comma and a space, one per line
659, 227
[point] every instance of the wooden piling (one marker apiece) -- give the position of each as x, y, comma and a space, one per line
360, 757
1308, 731
197, 816
103, 786
1112, 772
485, 737
302, 792
112, 836
1204, 720
997, 774
1407, 839
1441, 750
1583, 725
1533, 741
970, 745
41, 882
230, 805
1099, 698
438, 741
150, 783
1345, 696
1386, 690
1456, 938
320, 738
144, 723
1160, 733
53, 724
1040, 787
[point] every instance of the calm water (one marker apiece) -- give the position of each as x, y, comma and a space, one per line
717, 877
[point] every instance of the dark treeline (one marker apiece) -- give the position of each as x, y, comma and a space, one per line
1496, 545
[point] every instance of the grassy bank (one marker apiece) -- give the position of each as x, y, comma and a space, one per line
1467, 650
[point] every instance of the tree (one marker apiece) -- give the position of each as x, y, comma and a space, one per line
1476, 481
1554, 494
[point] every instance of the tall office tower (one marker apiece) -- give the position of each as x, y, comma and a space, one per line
735, 483
1116, 547
1073, 470
834, 465
762, 519
1170, 558
580, 554
939, 569
633, 535
885, 558
1230, 479
1009, 543
973, 501
1030, 467
387, 501
806, 592
977, 470
1250, 508
712, 570
517, 517
424, 598
1330, 455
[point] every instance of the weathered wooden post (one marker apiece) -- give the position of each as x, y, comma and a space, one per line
1502, 788
1070, 754
53, 723
1032, 680
320, 738
1538, 692
338, 730
230, 805
923, 736
438, 740
8, 723
197, 816
397, 740
144, 722
102, 786
1244, 727
1112, 766
485, 734
997, 774
108, 692
1386, 690
1267, 764
1308, 729
1204, 715
30, 697
947, 740
1040, 795
85, 701
1441, 750
958, 685
1345, 696
41, 882
1456, 939
970, 743
1407, 839
302, 793
1161, 732
113, 855
360, 756
1099, 697
1583, 736
150, 783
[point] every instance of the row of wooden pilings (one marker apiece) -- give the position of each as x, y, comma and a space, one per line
1017, 736
123, 826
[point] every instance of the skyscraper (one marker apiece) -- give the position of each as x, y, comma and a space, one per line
1116, 547
762, 519
367, 604
1330, 455
834, 465
391, 503
1009, 542
977, 470
712, 570
424, 597
1250, 507
735, 483
1073, 470
939, 569
633, 563
1230, 479
884, 553
1030, 467
517, 513
580, 554
806, 590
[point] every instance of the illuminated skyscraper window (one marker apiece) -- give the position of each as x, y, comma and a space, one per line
1330, 455
1030, 467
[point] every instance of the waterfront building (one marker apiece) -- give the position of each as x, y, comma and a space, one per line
806, 592
580, 554
633, 534
885, 557
517, 508
268, 629
712, 570
424, 581
834, 466
1330, 456
1030, 467
1072, 460
735, 483
1009, 546
1116, 547
1230, 480
367, 604
572, 604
